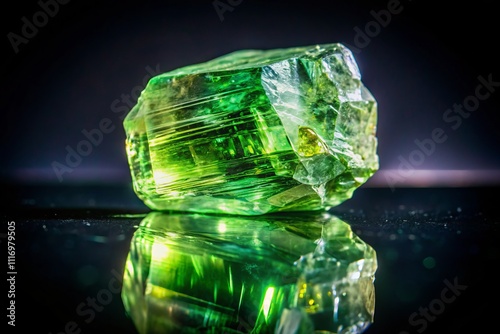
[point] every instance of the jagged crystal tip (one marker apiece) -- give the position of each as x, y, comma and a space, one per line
254, 132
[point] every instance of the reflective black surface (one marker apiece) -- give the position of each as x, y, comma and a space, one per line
437, 251
68, 74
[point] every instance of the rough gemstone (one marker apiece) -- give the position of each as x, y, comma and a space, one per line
254, 132
195, 273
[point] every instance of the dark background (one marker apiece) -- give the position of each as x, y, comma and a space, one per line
65, 79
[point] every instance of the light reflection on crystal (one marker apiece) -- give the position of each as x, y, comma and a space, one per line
268, 274
254, 132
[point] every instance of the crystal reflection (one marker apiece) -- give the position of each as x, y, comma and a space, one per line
269, 274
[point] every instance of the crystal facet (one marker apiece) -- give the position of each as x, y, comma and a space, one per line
254, 132
195, 273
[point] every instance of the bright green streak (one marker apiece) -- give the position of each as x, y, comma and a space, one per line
268, 298
254, 132
183, 275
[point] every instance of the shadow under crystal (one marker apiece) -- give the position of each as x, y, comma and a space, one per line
268, 274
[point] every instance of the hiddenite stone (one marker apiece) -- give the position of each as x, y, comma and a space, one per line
254, 132
193, 273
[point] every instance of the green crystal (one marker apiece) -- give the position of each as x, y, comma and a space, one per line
254, 132
195, 273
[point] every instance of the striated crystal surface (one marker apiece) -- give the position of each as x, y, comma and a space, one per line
254, 132
196, 273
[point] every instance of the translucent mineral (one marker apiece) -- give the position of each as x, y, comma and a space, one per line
254, 132
196, 273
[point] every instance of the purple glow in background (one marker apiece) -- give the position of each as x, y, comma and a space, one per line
88, 60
